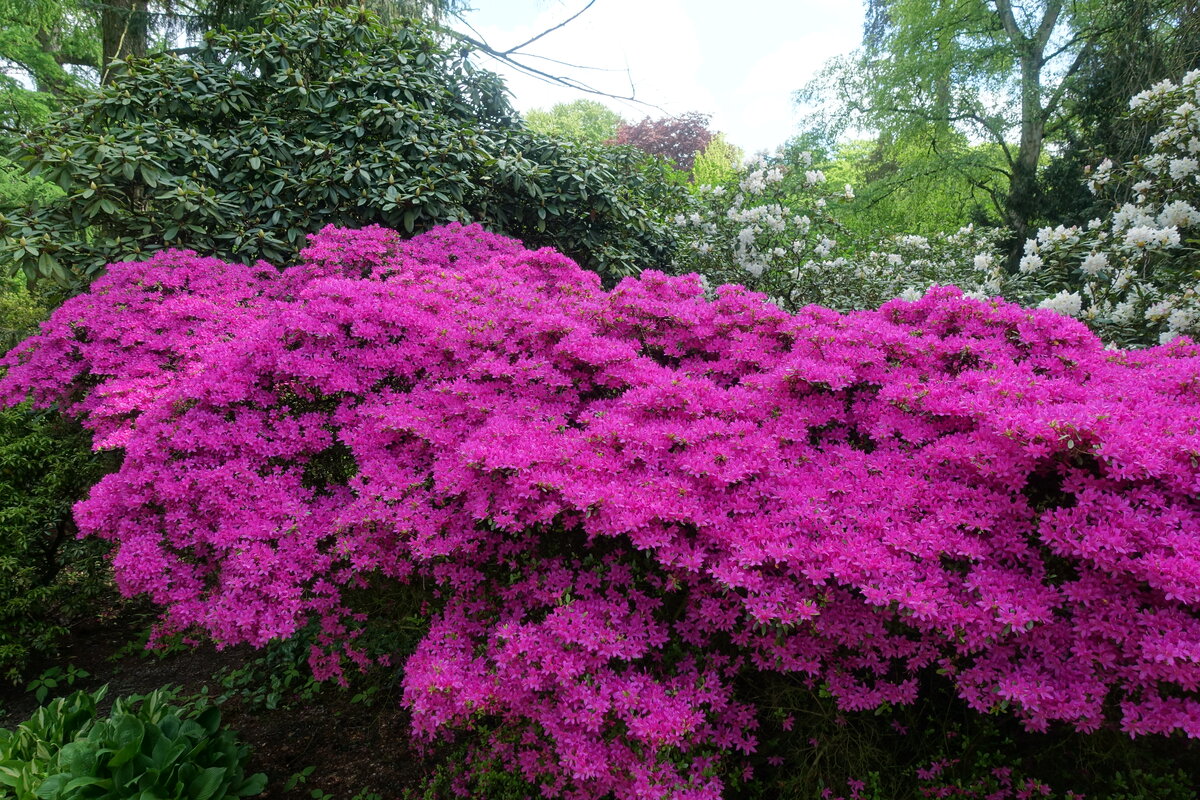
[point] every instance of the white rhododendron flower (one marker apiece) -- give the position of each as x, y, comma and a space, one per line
1094, 263
1182, 167
1068, 303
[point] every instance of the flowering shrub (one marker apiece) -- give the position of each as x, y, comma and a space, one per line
1132, 275
776, 232
629, 498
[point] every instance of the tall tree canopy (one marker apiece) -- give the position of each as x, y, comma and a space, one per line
51, 49
580, 121
946, 73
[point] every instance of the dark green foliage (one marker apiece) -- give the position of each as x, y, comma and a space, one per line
1159, 40
280, 677
20, 312
47, 576
147, 747
317, 116
818, 747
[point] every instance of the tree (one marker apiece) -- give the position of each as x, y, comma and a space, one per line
62, 46
676, 139
41, 41
1160, 41
905, 186
718, 162
935, 70
580, 121
315, 116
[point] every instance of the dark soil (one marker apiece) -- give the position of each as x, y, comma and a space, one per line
354, 749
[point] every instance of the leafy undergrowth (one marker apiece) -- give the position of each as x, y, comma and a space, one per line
311, 741
318, 740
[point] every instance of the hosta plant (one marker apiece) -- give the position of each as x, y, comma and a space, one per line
148, 746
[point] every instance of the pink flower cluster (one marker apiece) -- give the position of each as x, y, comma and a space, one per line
628, 498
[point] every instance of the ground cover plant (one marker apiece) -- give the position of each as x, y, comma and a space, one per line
629, 500
147, 746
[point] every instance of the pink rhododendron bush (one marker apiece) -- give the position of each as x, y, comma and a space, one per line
627, 499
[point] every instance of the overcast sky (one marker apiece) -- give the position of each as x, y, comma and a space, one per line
738, 60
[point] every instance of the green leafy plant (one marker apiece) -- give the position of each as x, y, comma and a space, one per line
316, 116
1144, 785
279, 677
149, 746
48, 577
53, 678
298, 778
20, 312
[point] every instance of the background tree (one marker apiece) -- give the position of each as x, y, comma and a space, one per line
42, 43
934, 71
718, 162
60, 44
1160, 40
677, 139
581, 121
906, 186
315, 117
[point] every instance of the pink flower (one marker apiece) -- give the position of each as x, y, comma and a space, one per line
623, 499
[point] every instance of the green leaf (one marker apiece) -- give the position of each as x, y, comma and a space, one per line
87, 780
206, 783
53, 786
252, 785
210, 720
78, 757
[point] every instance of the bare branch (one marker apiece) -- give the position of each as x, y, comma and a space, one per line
1057, 95
551, 30
510, 56
574, 66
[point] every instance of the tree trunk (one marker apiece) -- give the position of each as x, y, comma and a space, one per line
124, 29
1023, 184
1031, 53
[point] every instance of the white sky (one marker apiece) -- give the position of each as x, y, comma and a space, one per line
739, 60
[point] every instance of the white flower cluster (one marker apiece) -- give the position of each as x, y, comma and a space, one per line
773, 230
906, 266
1069, 303
761, 228
1132, 274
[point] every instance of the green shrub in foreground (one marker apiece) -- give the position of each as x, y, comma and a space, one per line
47, 576
146, 748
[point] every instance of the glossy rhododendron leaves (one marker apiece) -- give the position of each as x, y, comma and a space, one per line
628, 498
